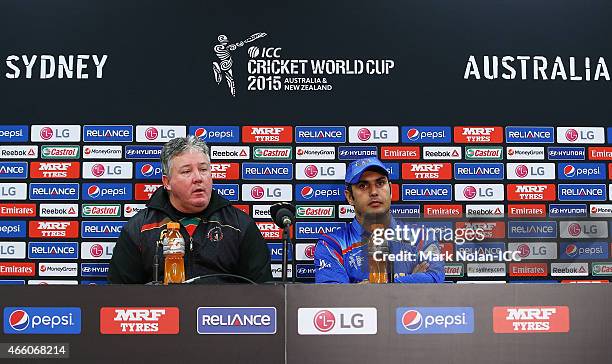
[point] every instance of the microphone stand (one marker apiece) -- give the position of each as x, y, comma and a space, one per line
286, 243
156, 280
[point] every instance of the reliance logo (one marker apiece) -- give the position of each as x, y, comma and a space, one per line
237, 320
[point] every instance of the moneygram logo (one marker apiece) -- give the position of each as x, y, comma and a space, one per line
530, 319
42, 320
139, 320
337, 321
237, 320
434, 320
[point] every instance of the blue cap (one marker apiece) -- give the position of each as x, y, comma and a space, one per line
356, 169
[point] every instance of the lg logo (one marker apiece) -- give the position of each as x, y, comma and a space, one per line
325, 320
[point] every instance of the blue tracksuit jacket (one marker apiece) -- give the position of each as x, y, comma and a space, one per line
342, 257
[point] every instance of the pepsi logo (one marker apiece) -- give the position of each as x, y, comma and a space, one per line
309, 251
571, 250
469, 192
94, 191
257, 192
413, 134
571, 135
201, 133
97, 170
569, 171
324, 320
364, 134
307, 192
521, 170
147, 170
19, 320
311, 171
574, 229
96, 250
523, 250
46, 133
412, 320
151, 133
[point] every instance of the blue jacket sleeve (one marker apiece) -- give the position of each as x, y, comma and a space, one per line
329, 267
435, 272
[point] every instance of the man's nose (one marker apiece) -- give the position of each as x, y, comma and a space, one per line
373, 190
197, 177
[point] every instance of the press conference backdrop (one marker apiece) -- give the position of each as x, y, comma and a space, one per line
482, 120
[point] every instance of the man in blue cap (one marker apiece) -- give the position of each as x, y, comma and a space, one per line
342, 256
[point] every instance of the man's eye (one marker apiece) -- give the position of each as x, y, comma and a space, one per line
362, 186
185, 172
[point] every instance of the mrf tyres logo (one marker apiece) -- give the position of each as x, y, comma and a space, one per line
269, 70
139, 320
531, 319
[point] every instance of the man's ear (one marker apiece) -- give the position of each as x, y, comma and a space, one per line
166, 182
390, 189
349, 196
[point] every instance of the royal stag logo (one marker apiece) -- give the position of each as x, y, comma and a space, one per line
224, 66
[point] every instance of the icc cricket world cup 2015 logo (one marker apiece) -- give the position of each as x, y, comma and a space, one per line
223, 50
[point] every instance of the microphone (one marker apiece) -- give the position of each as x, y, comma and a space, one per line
283, 214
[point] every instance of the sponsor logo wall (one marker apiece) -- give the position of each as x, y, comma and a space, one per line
67, 190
